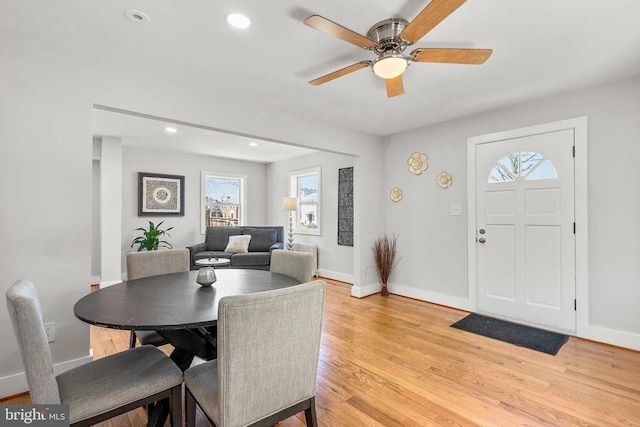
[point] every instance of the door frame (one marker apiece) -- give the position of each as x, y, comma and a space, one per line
579, 127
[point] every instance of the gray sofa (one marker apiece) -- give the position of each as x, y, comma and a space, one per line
264, 239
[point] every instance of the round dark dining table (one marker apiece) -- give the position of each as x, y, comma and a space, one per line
175, 306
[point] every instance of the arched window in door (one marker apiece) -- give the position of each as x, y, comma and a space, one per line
522, 165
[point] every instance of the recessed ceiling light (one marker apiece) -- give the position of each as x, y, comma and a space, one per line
136, 16
238, 20
170, 129
253, 144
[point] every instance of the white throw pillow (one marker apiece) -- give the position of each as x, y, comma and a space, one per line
238, 244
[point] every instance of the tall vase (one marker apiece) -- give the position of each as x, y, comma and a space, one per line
384, 291
290, 243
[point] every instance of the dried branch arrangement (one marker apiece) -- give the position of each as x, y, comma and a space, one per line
384, 254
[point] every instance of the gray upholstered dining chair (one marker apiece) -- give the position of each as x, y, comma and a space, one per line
268, 347
154, 263
293, 263
98, 390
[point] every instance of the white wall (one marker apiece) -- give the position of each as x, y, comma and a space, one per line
96, 264
110, 207
186, 229
45, 222
334, 261
434, 245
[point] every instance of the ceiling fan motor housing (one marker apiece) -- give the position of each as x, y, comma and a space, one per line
386, 35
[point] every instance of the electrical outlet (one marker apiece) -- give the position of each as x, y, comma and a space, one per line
455, 210
50, 328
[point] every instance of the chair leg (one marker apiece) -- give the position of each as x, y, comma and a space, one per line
132, 339
189, 408
310, 413
175, 403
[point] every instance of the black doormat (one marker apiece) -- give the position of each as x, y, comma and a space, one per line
524, 336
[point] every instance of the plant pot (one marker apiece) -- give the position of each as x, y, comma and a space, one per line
384, 291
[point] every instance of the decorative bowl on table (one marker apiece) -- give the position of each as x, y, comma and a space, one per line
206, 276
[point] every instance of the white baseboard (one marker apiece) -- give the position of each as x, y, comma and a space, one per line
343, 277
411, 292
112, 282
365, 291
610, 336
429, 296
17, 383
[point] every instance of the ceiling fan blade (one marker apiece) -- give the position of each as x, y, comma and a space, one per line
341, 72
452, 56
432, 15
336, 30
394, 86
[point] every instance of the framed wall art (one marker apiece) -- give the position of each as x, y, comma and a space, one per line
160, 194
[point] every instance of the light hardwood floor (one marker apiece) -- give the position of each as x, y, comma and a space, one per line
394, 361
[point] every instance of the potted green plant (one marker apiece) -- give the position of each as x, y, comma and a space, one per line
150, 239
384, 254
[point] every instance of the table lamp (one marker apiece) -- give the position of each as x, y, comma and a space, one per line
289, 204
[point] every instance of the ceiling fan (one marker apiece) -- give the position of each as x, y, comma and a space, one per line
390, 37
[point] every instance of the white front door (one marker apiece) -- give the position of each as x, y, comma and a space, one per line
525, 229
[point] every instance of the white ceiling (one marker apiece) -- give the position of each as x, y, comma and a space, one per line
539, 47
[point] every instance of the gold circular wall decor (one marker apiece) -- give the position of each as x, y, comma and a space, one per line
417, 163
396, 194
445, 180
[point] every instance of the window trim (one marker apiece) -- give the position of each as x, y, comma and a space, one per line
243, 196
293, 192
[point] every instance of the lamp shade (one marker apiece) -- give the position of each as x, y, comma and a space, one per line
289, 204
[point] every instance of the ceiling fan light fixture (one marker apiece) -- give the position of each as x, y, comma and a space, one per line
389, 66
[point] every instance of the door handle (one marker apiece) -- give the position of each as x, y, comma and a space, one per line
481, 240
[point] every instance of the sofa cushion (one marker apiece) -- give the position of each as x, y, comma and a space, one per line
261, 238
218, 237
238, 244
250, 259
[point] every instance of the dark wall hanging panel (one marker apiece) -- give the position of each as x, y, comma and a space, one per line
345, 206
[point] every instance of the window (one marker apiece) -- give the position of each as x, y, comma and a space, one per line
223, 200
527, 165
305, 186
